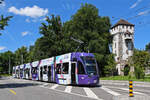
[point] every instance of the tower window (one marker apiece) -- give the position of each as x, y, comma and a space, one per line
129, 44
130, 27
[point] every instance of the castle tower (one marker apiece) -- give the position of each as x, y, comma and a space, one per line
123, 43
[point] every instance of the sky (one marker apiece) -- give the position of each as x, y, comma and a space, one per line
23, 29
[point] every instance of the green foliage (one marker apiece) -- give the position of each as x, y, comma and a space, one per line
126, 70
4, 22
85, 25
4, 61
21, 56
110, 68
147, 47
125, 78
140, 60
139, 72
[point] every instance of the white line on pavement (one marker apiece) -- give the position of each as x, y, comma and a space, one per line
133, 91
110, 91
45, 84
90, 93
54, 86
126, 89
72, 93
68, 89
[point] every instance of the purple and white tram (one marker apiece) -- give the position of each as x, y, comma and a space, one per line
14, 72
46, 70
27, 71
17, 71
77, 68
22, 71
35, 70
72, 68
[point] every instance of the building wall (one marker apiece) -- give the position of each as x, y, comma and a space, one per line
121, 34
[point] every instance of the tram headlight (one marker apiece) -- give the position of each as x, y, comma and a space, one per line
82, 78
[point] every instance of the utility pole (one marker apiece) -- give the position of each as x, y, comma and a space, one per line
9, 64
22, 58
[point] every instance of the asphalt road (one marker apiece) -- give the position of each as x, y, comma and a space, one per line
18, 89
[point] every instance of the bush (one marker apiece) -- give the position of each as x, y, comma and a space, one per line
139, 72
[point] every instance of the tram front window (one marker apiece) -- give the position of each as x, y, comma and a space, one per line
90, 65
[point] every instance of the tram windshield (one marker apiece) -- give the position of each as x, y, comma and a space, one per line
90, 64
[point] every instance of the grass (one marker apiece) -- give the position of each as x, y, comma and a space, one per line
5, 75
125, 78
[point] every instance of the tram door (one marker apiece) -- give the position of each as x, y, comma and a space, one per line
73, 72
49, 73
41, 73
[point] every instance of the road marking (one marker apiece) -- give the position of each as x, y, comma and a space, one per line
68, 89
12, 91
54, 86
126, 89
73, 93
90, 93
110, 91
45, 84
133, 91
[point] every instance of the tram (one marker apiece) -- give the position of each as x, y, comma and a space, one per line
71, 68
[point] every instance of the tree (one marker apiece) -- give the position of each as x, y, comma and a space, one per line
51, 43
4, 22
87, 26
147, 47
140, 61
110, 68
21, 56
6, 58
30, 57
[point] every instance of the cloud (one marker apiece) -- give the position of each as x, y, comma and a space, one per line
144, 12
33, 12
136, 3
67, 6
43, 19
25, 33
34, 20
2, 48
27, 20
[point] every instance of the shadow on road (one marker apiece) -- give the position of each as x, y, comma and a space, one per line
17, 85
89, 86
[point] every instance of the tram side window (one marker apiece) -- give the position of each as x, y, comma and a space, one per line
65, 68
80, 68
34, 70
58, 68
45, 70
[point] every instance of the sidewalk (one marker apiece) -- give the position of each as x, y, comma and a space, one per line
125, 83
136, 97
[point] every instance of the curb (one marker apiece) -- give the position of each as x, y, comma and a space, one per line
124, 83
